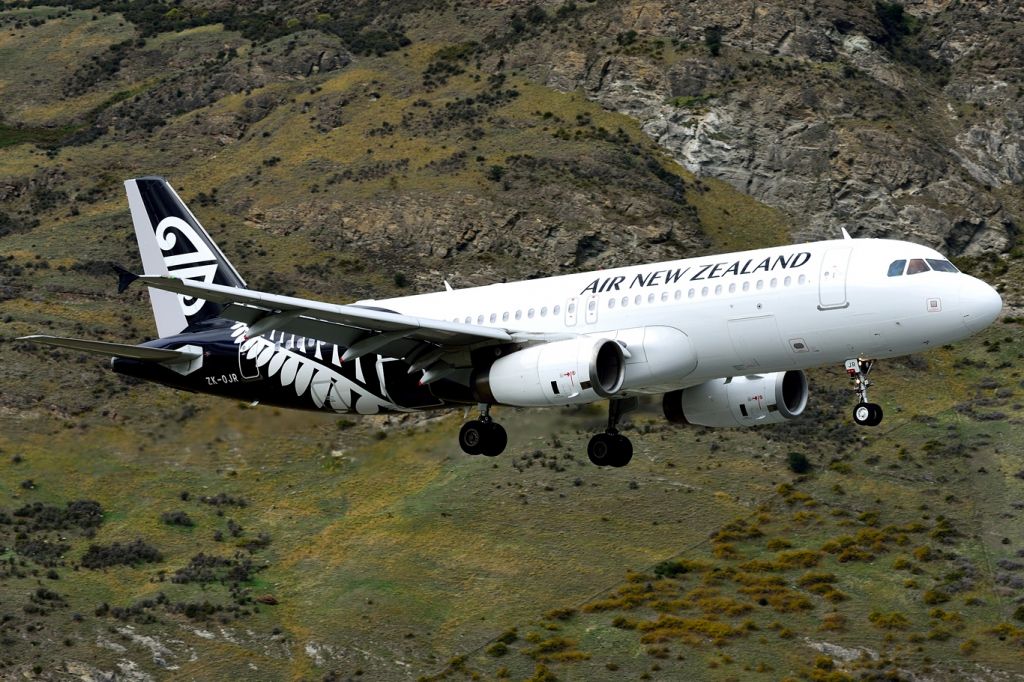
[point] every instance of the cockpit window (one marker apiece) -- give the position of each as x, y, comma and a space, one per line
896, 268
917, 265
942, 265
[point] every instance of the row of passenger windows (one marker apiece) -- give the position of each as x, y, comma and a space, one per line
638, 299
919, 265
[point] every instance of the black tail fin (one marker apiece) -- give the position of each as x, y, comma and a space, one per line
172, 242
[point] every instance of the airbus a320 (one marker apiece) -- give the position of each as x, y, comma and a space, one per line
724, 339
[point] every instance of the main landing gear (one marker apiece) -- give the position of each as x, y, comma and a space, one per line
483, 436
865, 413
612, 448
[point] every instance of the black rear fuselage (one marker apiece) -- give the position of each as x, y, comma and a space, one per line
287, 370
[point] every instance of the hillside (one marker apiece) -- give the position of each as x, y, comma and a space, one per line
344, 152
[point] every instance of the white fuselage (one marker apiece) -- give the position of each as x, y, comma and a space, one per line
753, 312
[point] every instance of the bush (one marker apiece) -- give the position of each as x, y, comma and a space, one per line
177, 518
713, 39
130, 554
495, 173
798, 462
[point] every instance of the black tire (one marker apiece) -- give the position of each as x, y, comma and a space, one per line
601, 449
473, 436
623, 451
495, 440
867, 414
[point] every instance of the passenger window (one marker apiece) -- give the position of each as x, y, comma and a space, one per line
746, 286
704, 291
479, 319
650, 298
638, 300
787, 281
760, 284
519, 314
611, 303
896, 268
625, 301
504, 316
692, 292
592, 305
718, 290
572, 308
664, 297
530, 313
802, 280
469, 320
774, 282
494, 318
557, 310
732, 288
544, 311
917, 266
941, 265
679, 294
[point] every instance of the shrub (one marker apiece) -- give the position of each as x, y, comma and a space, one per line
130, 554
177, 518
893, 620
923, 553
932, 597
713, 39
497, 649
798, 462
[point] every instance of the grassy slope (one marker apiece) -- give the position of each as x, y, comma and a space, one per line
394, 555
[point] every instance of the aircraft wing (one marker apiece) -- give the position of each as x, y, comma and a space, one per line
361, 329
117, 350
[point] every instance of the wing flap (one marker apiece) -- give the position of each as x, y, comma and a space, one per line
117, 350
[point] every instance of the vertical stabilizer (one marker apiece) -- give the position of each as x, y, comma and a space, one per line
172, 242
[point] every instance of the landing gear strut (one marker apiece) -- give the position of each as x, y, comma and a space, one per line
483, 436
612, 448
865, 413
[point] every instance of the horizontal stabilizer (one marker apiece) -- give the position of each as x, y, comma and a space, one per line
124, 278
117, 350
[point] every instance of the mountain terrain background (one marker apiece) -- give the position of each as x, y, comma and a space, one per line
346, 151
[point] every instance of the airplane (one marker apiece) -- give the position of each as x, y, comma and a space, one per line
724, 339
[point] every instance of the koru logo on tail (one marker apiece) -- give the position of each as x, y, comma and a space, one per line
197, 262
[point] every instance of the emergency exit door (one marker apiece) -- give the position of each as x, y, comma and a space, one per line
832, 279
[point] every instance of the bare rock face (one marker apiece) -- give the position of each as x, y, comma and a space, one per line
904, 126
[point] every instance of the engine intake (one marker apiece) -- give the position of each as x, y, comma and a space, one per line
567, 372
739, 401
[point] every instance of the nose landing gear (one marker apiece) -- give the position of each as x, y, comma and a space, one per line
865, 413
483, 436
612, 448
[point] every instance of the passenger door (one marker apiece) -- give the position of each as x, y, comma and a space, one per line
832, 280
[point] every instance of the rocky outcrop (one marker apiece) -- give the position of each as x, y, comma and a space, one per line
903, 126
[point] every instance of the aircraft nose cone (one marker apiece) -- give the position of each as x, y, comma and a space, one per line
980, 304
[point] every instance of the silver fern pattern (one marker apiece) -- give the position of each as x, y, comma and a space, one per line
301, 363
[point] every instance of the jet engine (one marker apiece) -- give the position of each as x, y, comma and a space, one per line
739, 401
568, 372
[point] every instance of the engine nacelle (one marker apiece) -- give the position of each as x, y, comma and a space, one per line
740, 401
566, 372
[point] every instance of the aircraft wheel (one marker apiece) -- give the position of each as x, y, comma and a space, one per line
473, 436
495, 440
867, 414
